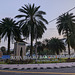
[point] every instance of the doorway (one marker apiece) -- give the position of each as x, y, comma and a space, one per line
21, 52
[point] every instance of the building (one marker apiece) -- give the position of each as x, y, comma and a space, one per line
20, 48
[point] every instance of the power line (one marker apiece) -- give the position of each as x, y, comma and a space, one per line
61, 15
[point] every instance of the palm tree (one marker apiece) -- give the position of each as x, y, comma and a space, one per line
72, 41
9, 29
72, 35
55, 45
32, 22
65, 24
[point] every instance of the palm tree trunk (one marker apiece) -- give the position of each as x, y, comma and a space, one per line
68, 45
68, 42
58, 52
8, 52
36, 42
68, 48
39, 54
31, 50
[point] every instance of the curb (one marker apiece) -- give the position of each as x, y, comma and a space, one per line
34, 68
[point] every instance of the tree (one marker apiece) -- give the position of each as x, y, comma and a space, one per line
3, 49
9, 29
72, 41
55, 45
72, 35
39, 47
32, 22
65, 25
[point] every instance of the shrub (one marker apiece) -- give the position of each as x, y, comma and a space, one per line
70, 60
19, 61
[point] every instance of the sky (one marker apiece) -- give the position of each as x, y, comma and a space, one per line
53, 9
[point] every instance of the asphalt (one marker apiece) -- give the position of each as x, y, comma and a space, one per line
37, 66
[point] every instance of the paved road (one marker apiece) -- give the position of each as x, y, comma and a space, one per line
61, 71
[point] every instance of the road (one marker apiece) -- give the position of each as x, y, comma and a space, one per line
61, 71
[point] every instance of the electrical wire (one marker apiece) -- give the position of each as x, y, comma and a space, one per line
61, 15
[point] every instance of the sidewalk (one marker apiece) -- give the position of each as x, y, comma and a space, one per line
37, 66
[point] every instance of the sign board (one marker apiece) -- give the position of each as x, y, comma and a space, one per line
43, 57
6, 57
